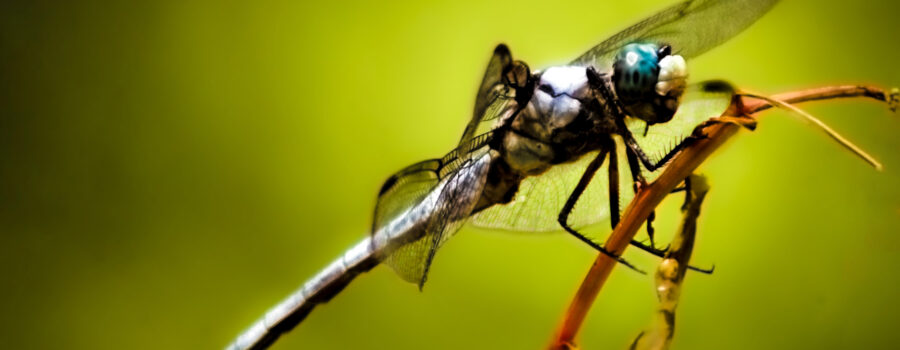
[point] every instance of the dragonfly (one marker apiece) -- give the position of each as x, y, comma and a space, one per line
530, 157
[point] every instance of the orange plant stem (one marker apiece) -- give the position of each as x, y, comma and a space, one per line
682, 165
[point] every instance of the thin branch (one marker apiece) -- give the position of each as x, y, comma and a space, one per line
672, 269
682, 165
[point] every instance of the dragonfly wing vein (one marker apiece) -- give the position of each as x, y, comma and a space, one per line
440, 214
691, 28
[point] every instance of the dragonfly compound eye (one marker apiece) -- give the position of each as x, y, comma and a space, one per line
649, 81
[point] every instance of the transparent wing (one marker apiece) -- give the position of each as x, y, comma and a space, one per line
496, 95
492, 85
406, 188
691, 28
539, 199
702, 101
442, 192
536, 205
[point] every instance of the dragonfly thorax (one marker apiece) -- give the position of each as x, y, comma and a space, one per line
557, 115
557, 100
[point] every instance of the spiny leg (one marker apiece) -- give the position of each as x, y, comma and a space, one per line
632, 144
689, 199
638, 152
573, 198
639, 182
671, 273
708, 271
650, 230
614, 198
692, 197
613, 187
636, 156
652, 217
661, 253
688, 195
635, 168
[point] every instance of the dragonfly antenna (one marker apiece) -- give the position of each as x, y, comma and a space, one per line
828, 130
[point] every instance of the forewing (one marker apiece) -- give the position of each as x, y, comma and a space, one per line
493, 78
691, 28
540, 198
496, 94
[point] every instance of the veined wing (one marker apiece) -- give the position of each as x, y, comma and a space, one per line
503, 78
441, 193
691, 28
702, 101
433, 217
540, 198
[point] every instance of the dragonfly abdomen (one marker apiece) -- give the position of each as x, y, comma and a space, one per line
319, 289
450, 202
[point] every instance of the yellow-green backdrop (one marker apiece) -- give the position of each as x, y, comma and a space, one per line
171, 169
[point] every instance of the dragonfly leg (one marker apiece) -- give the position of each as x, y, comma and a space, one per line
570, 204
687, 200
613, 187
639, 154
662, 254
688, 195
614, 200
639, 181
636, 175
650, 249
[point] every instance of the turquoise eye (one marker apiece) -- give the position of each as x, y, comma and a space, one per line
635, 70
635, 75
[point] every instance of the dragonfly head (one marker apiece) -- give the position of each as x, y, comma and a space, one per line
649, 81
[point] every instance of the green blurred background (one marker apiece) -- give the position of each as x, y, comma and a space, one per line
169, 170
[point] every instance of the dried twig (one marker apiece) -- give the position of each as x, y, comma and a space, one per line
648, 197
672, 269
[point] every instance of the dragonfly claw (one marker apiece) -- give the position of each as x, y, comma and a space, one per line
703, 271
651, 249
893, 99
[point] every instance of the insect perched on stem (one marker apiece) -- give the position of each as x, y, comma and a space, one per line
716, 131
529, 158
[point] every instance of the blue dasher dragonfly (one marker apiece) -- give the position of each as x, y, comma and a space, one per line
529, 158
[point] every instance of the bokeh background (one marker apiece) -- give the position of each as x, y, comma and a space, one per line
171, 169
